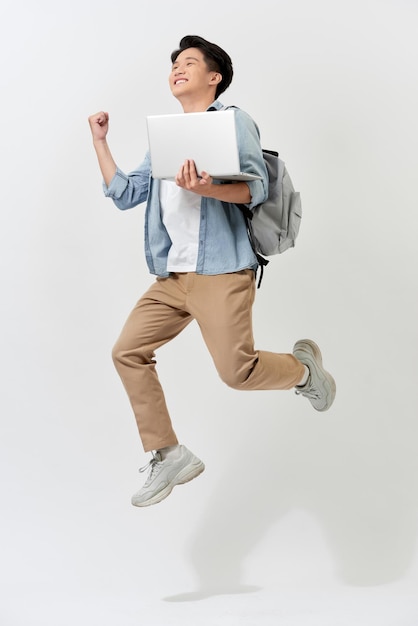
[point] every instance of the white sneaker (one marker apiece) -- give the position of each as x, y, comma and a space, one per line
320, 387
165, 474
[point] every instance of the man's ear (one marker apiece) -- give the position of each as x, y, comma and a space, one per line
216, 78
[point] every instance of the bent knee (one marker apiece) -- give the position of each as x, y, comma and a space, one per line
116, 353
129, 355
234, 379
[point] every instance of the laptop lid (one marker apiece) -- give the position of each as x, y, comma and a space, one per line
209, 138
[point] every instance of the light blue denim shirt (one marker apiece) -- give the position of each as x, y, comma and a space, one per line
224, 246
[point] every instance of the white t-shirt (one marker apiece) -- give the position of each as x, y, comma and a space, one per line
181, 217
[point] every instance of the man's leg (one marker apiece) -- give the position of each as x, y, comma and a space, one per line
156, 319
222, 305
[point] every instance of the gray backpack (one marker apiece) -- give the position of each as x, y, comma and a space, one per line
273, 226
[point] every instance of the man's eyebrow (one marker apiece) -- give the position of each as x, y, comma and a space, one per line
186, 59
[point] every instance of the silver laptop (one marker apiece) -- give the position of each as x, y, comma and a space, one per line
209, 138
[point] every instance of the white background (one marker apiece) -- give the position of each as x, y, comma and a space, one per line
301, 518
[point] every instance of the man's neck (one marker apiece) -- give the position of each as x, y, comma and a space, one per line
195, 105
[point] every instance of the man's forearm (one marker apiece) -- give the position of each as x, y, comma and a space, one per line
106, 162
236, 193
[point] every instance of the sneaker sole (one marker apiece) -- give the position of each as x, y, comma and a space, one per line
314, 356
186, 475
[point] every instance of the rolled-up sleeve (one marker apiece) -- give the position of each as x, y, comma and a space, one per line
251, 157
129, 190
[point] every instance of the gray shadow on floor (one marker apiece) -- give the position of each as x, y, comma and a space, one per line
356, 474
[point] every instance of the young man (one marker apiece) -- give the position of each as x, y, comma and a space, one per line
197, 245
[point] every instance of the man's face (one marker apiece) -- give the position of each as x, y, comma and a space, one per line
190, 75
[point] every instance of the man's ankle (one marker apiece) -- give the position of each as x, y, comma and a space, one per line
170, 451
305, 377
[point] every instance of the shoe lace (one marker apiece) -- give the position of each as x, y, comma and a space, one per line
309, 391
153, 466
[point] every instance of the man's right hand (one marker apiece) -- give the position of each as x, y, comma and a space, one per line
99, 125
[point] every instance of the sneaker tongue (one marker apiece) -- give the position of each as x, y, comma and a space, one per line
158, 456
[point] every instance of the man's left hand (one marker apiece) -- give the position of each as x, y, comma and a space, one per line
187, 178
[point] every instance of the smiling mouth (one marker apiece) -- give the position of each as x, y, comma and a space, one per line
180, 81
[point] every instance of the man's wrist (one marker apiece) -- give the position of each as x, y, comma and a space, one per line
99, 143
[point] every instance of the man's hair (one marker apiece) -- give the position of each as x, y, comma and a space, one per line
216, 59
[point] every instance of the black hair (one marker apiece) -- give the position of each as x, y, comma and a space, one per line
216, 59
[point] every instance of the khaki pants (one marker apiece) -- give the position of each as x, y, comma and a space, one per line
222, 306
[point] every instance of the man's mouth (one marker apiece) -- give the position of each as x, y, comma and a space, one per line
180, 81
